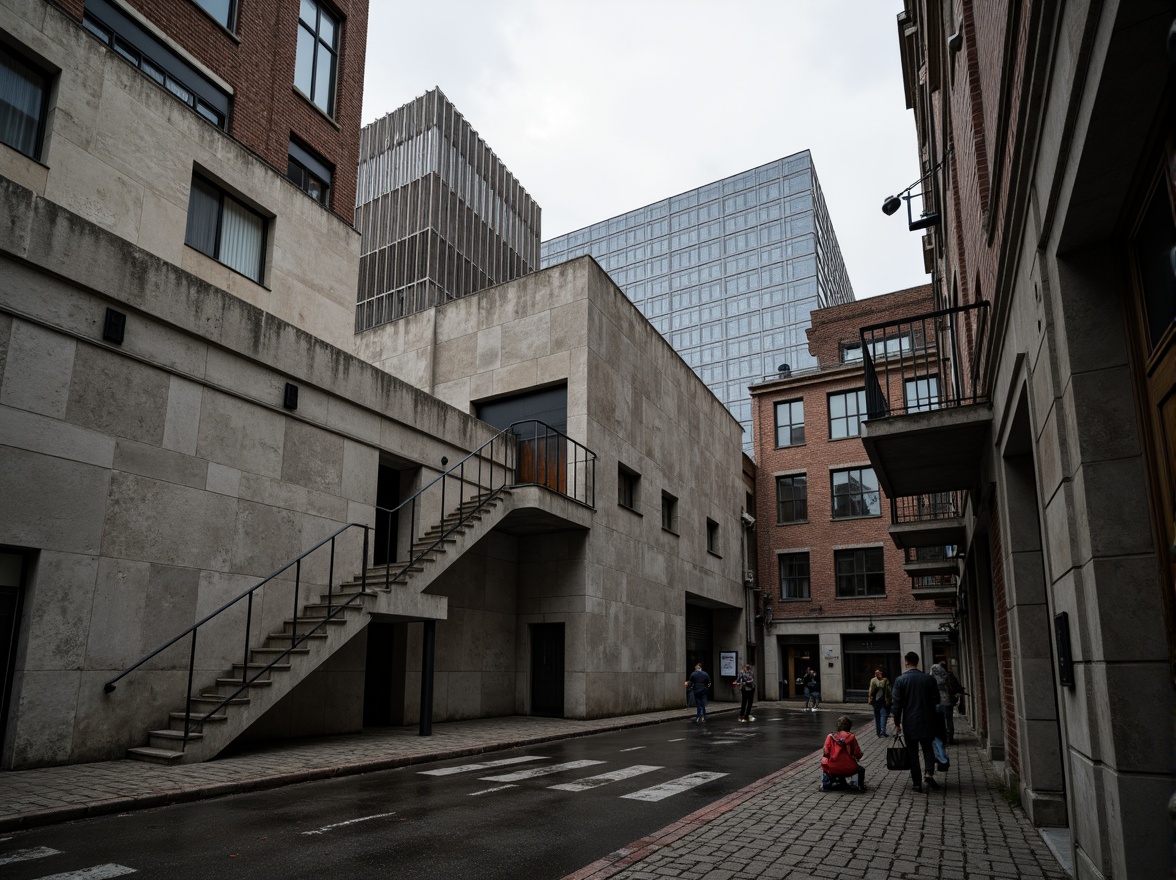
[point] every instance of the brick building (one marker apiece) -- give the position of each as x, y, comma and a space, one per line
1046, 134
837, 591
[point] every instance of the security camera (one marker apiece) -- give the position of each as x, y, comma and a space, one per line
748, 520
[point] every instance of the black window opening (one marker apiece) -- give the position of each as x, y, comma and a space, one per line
224, 12
860, 572
792, 499
223, 228
24, 103
317, 55
712, 537
309, 173
855, 493
794, 576
669, 513
158, 62
627, 487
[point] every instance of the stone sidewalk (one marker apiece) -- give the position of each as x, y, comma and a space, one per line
781, 826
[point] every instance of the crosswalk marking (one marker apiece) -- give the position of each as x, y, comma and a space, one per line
634, 749
348, 822
24, 855
484, 765
606, 778
490, 790
673, 787
678, 740
98, 872
538, 771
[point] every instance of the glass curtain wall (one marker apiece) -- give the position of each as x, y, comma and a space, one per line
728, 273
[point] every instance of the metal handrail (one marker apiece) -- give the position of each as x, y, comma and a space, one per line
933, 507
506, 442
947, 348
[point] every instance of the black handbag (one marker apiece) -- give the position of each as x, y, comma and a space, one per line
897, 756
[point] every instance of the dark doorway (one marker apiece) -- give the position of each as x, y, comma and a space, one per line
540, 420
863, 655
387, 499
383, 685
700, 640
547, 669
12, 574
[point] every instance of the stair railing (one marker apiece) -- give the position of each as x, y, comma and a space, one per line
480, 478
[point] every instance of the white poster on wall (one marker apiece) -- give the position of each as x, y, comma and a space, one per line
728, 662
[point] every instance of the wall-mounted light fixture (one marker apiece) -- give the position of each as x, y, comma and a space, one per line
871, 627
928, 218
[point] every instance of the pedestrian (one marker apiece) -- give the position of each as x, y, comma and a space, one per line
699, 681
946, 706
879, 697
841, 758
745, 682
812, 690
914, 698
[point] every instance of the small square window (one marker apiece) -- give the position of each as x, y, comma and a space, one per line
669, 512
860, 572
794, 576
855, 493
846, 411
24, 98
712, 536
790, 423
627, 487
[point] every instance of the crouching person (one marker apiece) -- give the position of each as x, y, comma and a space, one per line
841, 757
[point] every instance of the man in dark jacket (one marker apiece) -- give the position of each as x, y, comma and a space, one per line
914, 698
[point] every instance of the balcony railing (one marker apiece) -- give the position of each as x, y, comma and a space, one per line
927, 362
930, 508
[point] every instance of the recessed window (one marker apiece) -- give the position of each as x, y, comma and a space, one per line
794, 576
309, 173
846, 411
627, 487
855, 493
860, 572
921, 395
222, 10
24, 97
790, 423
669, 512
156, 61
792, 499
318, 49
850, 352
712, 536
225, 229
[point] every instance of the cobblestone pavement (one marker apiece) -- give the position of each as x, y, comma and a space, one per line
778, 827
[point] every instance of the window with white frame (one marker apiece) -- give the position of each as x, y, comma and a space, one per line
846, 410
225, 229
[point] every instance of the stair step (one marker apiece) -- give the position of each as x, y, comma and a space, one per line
211, 719
155, 756
284, 635
175, 735
214, 699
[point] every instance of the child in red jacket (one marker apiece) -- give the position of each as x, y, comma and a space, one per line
842, 753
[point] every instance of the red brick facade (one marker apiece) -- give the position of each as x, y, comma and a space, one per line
820, 534
1003, 642
257, 60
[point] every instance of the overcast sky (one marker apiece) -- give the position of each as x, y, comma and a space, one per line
604, 106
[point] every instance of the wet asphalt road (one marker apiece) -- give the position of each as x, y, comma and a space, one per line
501, 821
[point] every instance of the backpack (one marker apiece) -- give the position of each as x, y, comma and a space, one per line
840, 758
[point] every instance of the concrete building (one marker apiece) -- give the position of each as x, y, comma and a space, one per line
838, 593
439, 214
218, 522
1046, 137
727, 272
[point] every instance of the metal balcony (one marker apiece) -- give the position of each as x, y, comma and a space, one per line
936, 519
923, 562
928, 412
941, 588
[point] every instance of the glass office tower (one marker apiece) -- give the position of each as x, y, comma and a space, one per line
439, 214
728, 272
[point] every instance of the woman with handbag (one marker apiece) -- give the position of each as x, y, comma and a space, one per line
745, 683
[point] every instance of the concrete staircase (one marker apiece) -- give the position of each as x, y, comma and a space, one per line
324, 625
